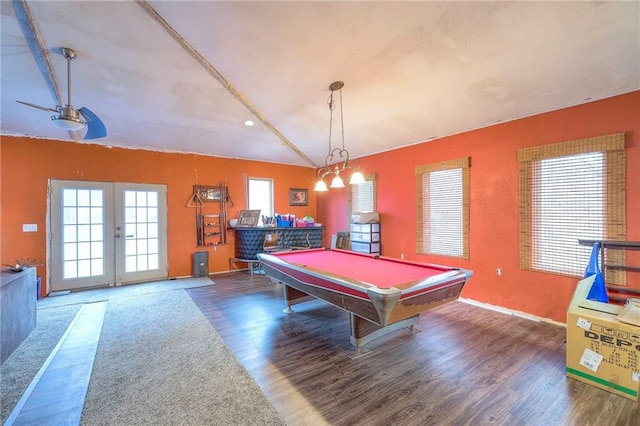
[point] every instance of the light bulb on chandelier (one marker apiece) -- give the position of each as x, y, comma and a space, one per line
337, 182
341, 154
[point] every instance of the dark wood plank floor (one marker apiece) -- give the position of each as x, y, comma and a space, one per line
467, 366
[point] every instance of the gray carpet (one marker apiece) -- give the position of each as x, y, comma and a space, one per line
19, 369
159, 361
109, 293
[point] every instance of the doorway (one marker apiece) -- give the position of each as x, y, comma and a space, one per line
105, 233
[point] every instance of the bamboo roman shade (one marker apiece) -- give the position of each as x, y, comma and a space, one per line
569, 191
442, 194
362, 197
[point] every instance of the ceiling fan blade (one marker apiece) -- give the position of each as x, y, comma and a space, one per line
37, 106
95, 126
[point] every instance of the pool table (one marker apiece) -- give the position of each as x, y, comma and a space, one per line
381, 294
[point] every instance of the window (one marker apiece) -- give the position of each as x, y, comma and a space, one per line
261, 196
570, 191
443, 208
362, 198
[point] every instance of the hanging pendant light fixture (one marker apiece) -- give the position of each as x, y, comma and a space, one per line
340, 154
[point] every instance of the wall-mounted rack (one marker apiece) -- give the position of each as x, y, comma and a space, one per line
210, 202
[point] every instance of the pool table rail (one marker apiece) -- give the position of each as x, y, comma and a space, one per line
373, 310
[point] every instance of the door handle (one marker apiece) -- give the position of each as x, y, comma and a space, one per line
126, 236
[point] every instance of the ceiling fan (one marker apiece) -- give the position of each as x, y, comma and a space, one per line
67, 116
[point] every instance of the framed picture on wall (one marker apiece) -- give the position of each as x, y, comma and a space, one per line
248, 218
208, 193
298, 197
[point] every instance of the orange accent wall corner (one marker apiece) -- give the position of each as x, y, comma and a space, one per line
494, 217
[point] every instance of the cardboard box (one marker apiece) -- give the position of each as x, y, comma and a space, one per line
601, 350
365, 217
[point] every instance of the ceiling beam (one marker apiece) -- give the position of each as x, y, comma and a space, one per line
221, 79
36, 45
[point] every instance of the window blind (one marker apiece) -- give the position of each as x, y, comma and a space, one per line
442, 204
570, 191
362, 198
443, 208
568, 204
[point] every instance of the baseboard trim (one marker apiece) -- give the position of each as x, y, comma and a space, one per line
512, 312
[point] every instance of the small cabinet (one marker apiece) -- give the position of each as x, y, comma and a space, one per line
365, 237
17, 308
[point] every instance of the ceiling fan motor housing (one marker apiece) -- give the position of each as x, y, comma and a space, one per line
68, 118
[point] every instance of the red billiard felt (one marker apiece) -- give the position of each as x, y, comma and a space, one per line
383, 272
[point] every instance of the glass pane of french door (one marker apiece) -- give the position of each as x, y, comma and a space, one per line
105, 233
81, 249
140, 232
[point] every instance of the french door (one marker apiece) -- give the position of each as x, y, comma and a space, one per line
106, 233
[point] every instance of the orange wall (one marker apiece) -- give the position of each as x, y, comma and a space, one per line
27, 164
494, 199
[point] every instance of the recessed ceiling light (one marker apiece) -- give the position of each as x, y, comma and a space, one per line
249, 123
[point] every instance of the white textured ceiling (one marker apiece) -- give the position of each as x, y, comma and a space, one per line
413, 71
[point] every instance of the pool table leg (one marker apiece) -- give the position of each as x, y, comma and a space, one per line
364, 331
293, 296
